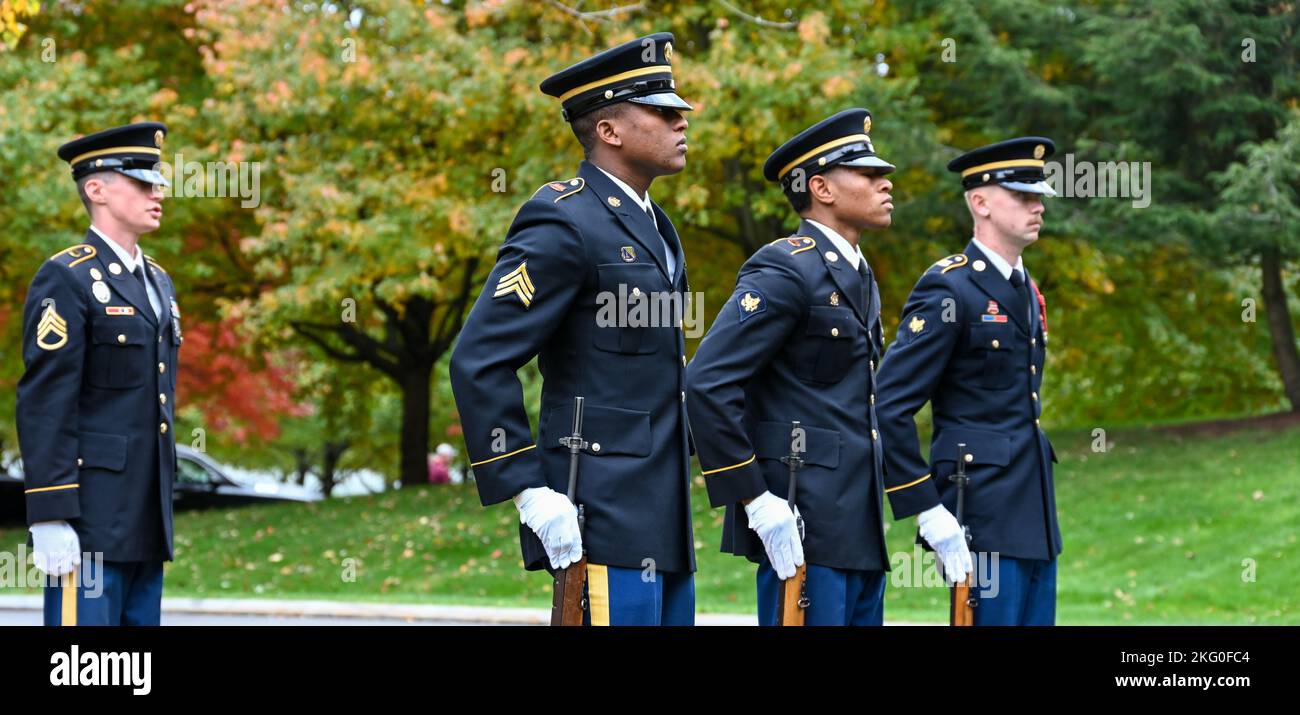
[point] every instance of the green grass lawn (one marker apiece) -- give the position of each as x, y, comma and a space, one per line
1157, 529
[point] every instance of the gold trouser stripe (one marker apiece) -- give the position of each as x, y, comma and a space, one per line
598, 594
909, 484
824, 147
117, 150
68, 582
1025, 163
50, 489
723, 469
656, 69
503, 456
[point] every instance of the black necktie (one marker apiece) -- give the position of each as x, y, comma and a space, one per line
139, 275
865, 274
1018, 282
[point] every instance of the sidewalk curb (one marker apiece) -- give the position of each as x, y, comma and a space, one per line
342, 609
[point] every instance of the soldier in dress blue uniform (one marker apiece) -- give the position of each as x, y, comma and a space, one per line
101, 332
799, 340
579, 251
972, 342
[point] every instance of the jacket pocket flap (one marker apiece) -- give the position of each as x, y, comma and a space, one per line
983, 336
607, 430
983, 447
124, 332
772, 441
101, 451
833, 323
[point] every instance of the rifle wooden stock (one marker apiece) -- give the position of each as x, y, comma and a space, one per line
566, 601
961, 607
789, 609
960, 612
567, 598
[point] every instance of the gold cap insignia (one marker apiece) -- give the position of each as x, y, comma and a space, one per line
916, 324
157, 138
51, 324
516, 283
668, 52
1039, 151
866, 125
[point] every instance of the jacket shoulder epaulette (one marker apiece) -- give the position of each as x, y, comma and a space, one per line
557, 190
149, 259
951, 263
795, 245
74, 255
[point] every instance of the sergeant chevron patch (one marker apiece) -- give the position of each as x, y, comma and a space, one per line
51, 324
516, 283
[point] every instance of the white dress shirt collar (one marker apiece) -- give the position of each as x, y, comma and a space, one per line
850, 253
999, 262
642, 201
129, 262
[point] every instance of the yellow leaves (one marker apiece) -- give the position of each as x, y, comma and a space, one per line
162, 99
836, 86
479, 14
316, 66
934, 225
436, 19
236, 153
814, 29
515, 56
11, 12
792, 70
459, 221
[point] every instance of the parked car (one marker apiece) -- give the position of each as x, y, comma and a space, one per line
13, 505
203, 482
200, 482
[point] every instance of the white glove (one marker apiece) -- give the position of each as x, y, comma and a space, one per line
56, 546
941, 531
554, 519
771, 518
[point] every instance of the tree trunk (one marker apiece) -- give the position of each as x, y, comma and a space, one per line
303, 466
1279, 326
333, 452
415, 426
